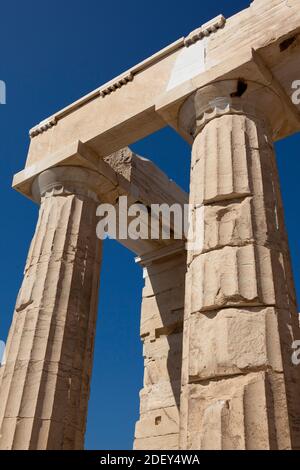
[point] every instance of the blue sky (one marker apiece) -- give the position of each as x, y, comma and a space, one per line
51, 54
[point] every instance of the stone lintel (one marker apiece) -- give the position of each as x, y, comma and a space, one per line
147, 97
121, 174
124, 171
75, 154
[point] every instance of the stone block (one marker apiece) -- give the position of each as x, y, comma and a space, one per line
232, 276
169, 442
242, 413
233, 341
162, 313
158, 282
220, 162
161, 347
227, 224
160, 422
163, 394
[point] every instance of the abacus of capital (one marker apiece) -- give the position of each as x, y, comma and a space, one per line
219, 319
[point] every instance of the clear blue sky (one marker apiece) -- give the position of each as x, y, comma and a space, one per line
51, 54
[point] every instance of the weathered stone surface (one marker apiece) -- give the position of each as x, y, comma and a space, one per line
234, 341
161, 332
226, 224
45, 384
158, 280
168, 442
219, 164
163, 359
161, 314
162, 374
240, 317
160, 422
232, 276
243, 413
225, 214
237, 223
162, 394
241, 259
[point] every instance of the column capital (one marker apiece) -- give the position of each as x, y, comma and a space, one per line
231, 97
64, 180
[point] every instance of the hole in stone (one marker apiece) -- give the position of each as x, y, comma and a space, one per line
157, 420
286, 43
241, 88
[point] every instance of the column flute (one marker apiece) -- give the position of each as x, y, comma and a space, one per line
45, 382
239, 385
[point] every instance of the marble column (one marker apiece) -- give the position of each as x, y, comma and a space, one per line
45, 382
240, 388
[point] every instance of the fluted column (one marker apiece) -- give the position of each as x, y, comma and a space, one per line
239, 387
45, 382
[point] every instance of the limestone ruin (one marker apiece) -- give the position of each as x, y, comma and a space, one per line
218, 321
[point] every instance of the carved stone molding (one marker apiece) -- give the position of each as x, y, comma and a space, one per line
231, 97
107, 90
116, 85
205, 30
42, 127
67, 180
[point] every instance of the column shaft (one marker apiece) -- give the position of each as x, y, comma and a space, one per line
45, 385
239, 386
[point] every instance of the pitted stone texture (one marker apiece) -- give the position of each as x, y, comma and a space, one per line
242, 413
45, 384
234, 341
